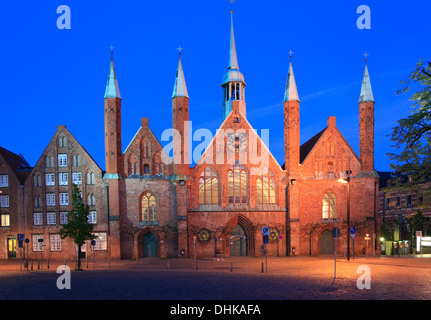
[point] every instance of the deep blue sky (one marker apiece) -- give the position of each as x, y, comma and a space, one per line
51, 77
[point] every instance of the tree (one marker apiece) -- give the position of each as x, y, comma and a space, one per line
192, 233
165, 230
309, 229
131, 230
77, 227
416, 222
412, 136
224, 232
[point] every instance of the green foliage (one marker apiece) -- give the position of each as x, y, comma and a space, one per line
412, 136
77, 227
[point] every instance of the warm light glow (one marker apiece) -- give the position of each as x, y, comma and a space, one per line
382, 239
425, 241
341, 180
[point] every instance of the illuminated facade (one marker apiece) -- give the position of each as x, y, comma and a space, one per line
150, 201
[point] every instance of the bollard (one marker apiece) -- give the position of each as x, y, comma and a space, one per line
262, 267
48, 265
231, 266
196, 265
31, 265
38, 265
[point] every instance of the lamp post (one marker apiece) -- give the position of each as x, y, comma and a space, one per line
347, 181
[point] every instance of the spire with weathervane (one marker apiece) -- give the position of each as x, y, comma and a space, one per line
366, 122
180, 123
112, 90
112, 98
291, 125
233, 80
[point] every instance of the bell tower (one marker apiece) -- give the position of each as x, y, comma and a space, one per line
180, 122
366, 123
233, 80
291, 125
112, 123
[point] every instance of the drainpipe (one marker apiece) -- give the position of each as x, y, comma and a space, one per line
287, 217
107, 207
22, 208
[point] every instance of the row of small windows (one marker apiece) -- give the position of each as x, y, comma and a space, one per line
237, 186
51, 218
397, 202
63, 200
133, 168
55, 242
62, 160
149, 206
63, 179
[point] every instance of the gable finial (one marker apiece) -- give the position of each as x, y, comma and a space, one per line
179, 50
366, 56
290, 54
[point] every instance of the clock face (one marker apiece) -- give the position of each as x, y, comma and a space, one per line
203, 235
237, 141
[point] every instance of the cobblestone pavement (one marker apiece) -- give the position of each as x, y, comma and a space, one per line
293, 278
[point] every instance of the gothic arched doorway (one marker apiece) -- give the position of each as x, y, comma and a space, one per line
149, 244
326, 243
238, 242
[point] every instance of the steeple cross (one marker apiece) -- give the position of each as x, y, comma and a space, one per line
290, 54
179, 49
366, 55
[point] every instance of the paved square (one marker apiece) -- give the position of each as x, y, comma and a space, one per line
294, 278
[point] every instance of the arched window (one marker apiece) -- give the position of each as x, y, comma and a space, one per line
208, 187
329, 206
90, 178
237, 184
62, 142
146, 168
36, 180
265, 188
148, 206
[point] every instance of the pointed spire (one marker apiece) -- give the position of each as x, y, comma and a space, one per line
112, 90
291, 92
180, 88
366, 91
233, 60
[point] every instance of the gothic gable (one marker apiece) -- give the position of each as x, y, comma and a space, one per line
328, 155
143, 156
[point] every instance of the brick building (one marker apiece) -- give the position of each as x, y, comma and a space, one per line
400, 198
153, 200
218, 205
36, 200
14, 170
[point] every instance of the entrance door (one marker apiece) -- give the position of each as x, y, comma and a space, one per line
150, 249
11, 248
238, 242
326, 243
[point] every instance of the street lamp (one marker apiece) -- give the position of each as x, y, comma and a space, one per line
347, 181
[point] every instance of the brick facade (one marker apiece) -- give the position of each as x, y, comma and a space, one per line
159, 205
